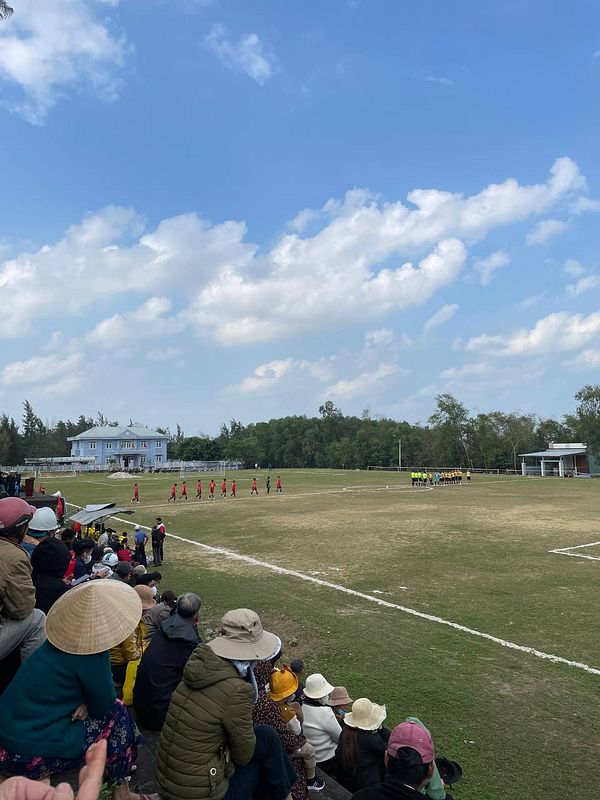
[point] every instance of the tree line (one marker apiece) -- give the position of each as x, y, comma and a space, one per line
451, 436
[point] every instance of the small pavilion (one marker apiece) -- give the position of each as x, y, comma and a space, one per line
570, 459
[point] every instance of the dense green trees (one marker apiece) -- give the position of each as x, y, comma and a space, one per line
451, 437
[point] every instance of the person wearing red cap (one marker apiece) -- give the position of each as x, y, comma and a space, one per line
411, 772
22, 624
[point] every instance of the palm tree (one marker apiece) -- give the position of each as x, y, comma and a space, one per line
5, 10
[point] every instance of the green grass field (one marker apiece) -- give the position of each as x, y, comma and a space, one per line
520, 725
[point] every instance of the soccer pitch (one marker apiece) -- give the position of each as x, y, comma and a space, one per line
433, 573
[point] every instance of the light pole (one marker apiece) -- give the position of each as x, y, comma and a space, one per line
399, 451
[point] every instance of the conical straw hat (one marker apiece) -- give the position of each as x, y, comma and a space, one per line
93, 617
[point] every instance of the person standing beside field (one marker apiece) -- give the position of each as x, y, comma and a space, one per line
183, 491
160, 541
278, 488
268, 484
140, 538
254, 488
173, 495
136, 493
469, 477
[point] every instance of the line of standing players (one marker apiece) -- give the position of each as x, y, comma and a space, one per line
183, 495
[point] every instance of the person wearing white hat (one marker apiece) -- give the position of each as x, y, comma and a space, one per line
209, 747
45, 728
43, 525
320, 725
361, 749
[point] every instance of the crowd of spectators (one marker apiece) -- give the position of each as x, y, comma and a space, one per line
96, 651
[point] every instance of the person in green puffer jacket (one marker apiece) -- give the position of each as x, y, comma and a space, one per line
209, 747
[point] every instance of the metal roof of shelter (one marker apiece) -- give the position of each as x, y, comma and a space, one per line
118, 432
93, 513
572, 451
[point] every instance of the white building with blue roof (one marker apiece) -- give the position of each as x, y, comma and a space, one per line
131, 447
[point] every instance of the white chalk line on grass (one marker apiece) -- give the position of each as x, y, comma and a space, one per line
532, 651
566, 551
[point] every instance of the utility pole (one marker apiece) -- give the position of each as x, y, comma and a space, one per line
399, 451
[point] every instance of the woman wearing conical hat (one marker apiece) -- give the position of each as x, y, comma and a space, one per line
62, 699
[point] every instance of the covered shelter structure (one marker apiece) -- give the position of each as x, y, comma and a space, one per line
559, 460
98, 512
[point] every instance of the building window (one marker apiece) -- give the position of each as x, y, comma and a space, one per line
142, 459
123, 445
158, 459
92, 445
159, 444
144, 444
108, 445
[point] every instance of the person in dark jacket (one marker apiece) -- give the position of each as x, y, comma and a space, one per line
362, 745
83, 557
209, 748
49, 562
410, 766
161, 667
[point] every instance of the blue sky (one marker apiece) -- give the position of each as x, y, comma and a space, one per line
216, 209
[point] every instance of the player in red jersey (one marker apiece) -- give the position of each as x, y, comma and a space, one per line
233, 488
136, 493
254, 488
223, 488
211, 490
183, 491
173, 496
278, 485
199, 490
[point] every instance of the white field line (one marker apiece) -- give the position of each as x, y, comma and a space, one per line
566, 551
532, 651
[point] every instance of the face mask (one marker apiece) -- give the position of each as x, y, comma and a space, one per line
324, 700
154, 591
86, 558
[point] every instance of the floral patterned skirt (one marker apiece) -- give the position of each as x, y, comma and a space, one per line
122, 738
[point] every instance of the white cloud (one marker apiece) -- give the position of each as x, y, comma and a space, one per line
52, 370
476, 369
529, 302
442, 81
555, 333
378, 338
545, 230
51, 49
583, 204
266, 376
353, 266
164, 354
246, 54
366, 383
585, 360
147, 321
442, 315
487, 266
573, 268
583, 285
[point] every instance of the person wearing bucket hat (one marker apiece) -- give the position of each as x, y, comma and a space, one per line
47, 729
131, 648
283, 686
22, 625
340, 701
267, 712
209, 747
362, 745
320, 726
411, 771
